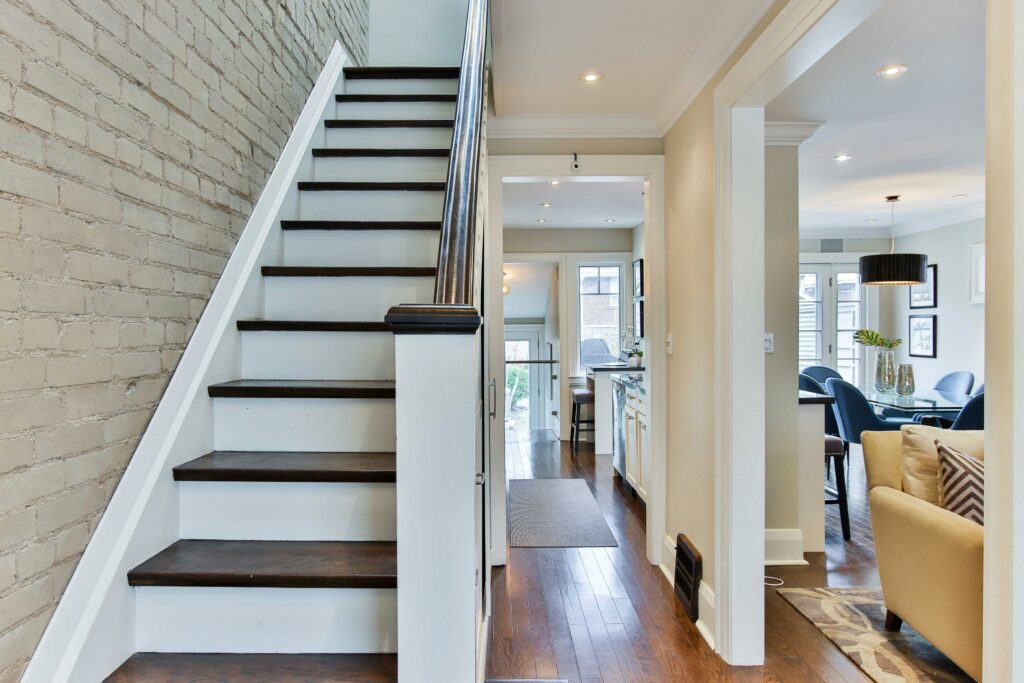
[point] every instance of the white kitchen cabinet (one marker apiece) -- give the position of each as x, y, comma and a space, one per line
643, 442
637, 444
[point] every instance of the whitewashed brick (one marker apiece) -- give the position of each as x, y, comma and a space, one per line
22, 373
33, 110
93, 401
95, 268
63, 372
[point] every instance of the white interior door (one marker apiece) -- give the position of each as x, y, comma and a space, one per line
832, 306
524, 405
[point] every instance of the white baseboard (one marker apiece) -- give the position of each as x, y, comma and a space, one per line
481, 649
783, 548
705, 596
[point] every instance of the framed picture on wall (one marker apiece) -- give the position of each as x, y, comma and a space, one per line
638, 277
923, 330
638, 319
926, 294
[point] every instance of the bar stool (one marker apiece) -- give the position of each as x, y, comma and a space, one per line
580, 398
835, 451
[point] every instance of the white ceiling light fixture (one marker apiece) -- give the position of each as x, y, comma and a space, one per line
842, 158
960, 196
542, 220
556, 181
892, 71
609, 220
591, 77
505, 289
871, 220
545, 205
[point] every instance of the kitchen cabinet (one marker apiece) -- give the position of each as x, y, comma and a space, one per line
637, 442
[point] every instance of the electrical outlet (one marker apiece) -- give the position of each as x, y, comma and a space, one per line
668, 343
769, 342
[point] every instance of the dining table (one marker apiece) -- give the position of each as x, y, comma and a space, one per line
921, 401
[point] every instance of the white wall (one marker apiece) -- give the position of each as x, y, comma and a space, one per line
567, 240
420, 33
961, 325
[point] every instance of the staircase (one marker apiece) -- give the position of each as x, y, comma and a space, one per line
287, 565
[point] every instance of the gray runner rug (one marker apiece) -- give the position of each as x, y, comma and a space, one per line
555, 513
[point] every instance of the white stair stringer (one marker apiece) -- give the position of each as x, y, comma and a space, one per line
288, 511
265, 620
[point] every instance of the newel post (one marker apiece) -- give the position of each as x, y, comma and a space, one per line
438, 404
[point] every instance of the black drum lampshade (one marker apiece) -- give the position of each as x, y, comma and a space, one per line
894, 269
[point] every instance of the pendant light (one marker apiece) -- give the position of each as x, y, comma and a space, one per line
893, 268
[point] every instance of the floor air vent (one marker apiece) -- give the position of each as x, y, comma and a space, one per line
689, 568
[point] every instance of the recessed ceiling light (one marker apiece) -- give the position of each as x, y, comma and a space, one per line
546, 205
871, 220
842, 158
609, 220
591, 77
542, 220
960, 196
892, 71
556, 181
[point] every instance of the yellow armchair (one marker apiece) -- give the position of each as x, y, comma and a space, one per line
930, 560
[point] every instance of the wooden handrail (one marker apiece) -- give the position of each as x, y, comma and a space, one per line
455, 262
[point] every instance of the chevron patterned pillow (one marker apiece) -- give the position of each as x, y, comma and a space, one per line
962, 481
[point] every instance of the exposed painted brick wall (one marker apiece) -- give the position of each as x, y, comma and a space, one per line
135, 136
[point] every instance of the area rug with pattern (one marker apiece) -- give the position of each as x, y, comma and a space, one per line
853, 619
555, 513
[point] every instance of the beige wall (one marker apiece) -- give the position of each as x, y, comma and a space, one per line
781, 225
961, 325
690, 243
134, 139
567, 240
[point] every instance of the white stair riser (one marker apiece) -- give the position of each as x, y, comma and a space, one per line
395, 110
404, 86
389, 138
304, 424
264, 620
287, 511
342, 298
371, 205
318, 355
402, 169
412, 248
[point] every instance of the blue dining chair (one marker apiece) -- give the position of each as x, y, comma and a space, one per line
821, 373
956, 382
808, 383
973, 414
979, 390
854, 413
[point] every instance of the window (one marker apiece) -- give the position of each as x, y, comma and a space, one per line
831, 309
599, 314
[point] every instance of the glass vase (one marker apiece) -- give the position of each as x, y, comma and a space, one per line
905, 380
885, 370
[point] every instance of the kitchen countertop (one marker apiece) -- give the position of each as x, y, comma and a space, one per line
614, 367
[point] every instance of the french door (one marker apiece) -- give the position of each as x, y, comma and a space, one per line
832, 306
524, 389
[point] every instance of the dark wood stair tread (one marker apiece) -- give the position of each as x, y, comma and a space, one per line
311, 326
347, 271
380, 186
296, 388
389, 123
359, 225
379, 152
289, 466
271, 564
153, 667
396, 97
400, 72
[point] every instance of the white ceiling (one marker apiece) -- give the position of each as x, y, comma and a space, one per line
575, 203
529, 284
655, 56
920, 135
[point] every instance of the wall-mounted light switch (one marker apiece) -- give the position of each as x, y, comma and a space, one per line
769, 342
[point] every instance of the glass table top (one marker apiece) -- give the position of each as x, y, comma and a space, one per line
920, 401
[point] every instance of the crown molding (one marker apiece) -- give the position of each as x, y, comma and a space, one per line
721, 40
572, 126
789, 133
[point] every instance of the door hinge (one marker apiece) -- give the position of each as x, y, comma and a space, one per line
480, 478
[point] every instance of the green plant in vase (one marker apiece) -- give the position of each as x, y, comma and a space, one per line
885, 357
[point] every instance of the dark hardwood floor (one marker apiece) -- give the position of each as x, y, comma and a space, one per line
605, 615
